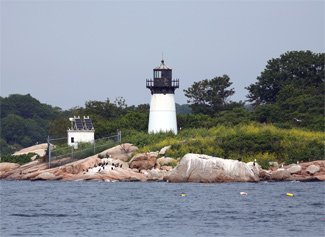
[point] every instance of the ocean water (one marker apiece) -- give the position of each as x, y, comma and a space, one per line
56, 208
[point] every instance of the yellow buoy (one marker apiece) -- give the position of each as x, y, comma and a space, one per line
290, 194
183, 195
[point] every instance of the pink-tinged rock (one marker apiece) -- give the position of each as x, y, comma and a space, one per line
6, 166
39, 149
280, 174
47, 176
145, 161
120, 152
80, 166
208, 169
313, 169
320, 177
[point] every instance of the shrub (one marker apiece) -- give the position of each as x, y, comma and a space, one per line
20, 159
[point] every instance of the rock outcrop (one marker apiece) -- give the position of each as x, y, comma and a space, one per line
312, 169
145, 161
208, 169
47, 176
295, 169
165, 161
120, 152
7, 166
39, 149
280, 174
163, 150
145, 167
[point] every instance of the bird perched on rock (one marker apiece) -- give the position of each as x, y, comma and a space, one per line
254, 162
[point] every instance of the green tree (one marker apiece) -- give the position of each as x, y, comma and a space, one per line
143, 108
59, 127
301, 70
13, 128
106, 109
209, 96
183, 109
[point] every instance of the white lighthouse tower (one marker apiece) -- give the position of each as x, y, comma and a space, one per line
162, 117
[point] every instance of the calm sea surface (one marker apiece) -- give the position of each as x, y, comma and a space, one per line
54, 208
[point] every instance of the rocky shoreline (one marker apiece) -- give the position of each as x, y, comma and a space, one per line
148, 167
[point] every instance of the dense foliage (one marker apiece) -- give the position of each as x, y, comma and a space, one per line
246, 141
25, 121
291, 90
211, 96
20, 159
301, 72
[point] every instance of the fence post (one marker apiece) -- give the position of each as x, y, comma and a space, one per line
49, 148
120, 136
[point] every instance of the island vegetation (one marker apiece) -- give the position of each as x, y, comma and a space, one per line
282, 120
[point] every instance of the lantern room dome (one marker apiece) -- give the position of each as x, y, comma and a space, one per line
162, 66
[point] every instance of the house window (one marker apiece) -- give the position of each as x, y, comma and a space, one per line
72, 139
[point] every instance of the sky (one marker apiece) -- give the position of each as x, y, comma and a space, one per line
65, 53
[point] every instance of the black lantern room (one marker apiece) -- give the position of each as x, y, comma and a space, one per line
162, 82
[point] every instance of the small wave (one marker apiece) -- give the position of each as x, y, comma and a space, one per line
317, 204
41, 215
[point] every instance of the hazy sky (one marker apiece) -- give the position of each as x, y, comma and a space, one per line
65, 53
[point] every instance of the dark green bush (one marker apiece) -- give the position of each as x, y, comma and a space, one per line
20, 159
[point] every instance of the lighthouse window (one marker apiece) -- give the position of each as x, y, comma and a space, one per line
157, 74
72, 139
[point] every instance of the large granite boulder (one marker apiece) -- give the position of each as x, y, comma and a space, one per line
144, 161
208, 169
47, 176
313, 169
295, 169
120, 152
280, 174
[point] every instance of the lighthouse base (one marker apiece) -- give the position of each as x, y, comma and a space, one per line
162, 117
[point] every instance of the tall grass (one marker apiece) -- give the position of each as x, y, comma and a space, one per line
263, 142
